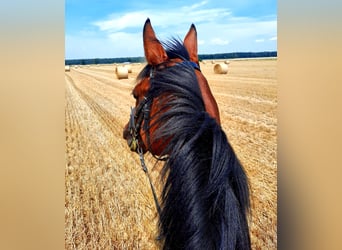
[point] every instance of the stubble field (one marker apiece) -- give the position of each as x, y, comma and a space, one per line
108, 201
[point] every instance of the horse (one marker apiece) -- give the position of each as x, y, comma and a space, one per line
204, 203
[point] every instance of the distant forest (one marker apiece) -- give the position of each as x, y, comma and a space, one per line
232, 55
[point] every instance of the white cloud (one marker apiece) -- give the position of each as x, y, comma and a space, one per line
129, 20
194, 6
219, 41
218, 30
121, 44
260, 40
116, 45
174, 17
200, 42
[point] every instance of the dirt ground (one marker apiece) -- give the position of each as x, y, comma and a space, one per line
108, 201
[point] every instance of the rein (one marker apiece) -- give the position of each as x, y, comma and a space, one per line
140, 113
144, 168
137, 116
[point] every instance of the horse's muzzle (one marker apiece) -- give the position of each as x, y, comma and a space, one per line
127, 136
131, 142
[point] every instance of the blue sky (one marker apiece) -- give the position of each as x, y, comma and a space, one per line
107, 28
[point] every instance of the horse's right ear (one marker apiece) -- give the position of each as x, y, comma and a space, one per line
154, 51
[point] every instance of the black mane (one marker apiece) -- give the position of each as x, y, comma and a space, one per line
205, 197
175, 49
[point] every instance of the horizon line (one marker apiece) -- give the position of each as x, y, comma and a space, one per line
199, 55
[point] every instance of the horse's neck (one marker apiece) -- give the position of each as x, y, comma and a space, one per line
209, 101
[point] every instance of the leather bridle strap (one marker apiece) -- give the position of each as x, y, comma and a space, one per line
190, 63
144, 168
135, 121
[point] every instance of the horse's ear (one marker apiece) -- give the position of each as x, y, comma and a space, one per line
154, 51
190, 43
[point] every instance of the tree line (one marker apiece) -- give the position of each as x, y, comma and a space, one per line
232, 55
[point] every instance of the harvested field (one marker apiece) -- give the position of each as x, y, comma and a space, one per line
108, 201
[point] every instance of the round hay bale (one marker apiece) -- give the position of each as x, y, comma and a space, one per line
67, 68
221, 68
226, 62
121, 72
129, 68
213, 61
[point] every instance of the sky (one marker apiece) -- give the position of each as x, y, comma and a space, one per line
109, 29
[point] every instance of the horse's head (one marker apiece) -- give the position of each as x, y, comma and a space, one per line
140, 131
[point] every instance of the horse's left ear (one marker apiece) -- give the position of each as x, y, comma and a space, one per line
190, 43
154, 51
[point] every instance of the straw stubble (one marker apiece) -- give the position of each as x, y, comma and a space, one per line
108, 201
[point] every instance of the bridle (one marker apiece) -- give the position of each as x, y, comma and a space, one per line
142, 113
138, 114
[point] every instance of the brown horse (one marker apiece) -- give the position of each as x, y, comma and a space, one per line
205, 199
